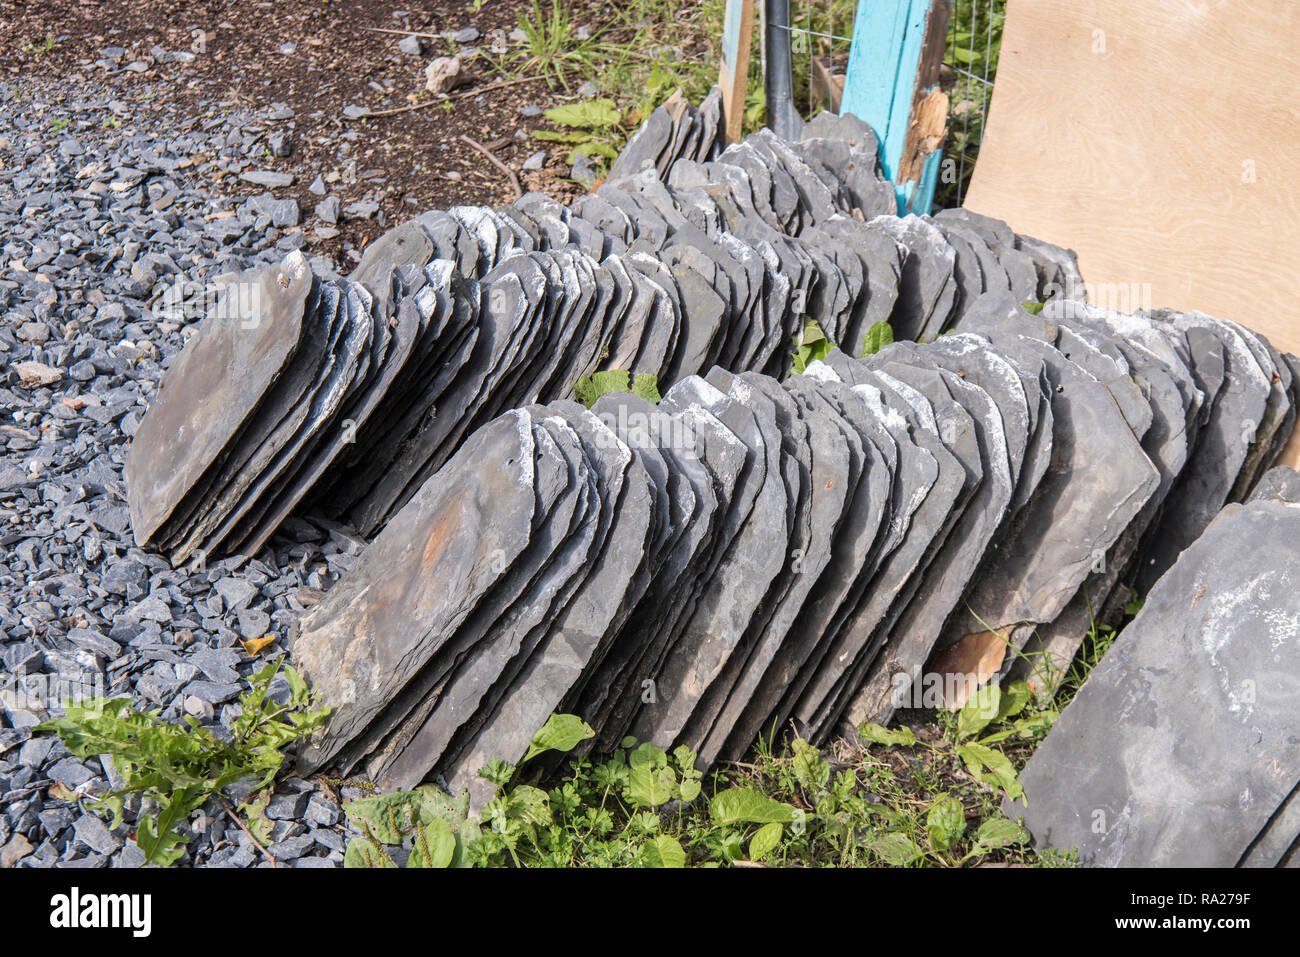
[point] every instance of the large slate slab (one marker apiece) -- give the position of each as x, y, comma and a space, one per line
416, 582
236, 356
1184, 741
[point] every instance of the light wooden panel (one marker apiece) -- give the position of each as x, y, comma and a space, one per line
1131, 132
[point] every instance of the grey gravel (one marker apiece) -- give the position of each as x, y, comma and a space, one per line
284, 807
111, 249
327, 210
92, 832
292, 848
268, 178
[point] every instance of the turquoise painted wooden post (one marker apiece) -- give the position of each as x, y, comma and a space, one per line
888, 37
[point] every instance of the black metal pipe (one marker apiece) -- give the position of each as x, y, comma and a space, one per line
778, 75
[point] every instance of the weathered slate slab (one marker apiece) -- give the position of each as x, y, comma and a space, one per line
1185, 740
418, 581
230, 364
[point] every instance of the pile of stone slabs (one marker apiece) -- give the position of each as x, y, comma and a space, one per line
544, 320
678, 572
1183, 746
514, 566
351, 393
675, 130
693, 573
750, 553
1208, 433
270, 390
770, 233
1127, 438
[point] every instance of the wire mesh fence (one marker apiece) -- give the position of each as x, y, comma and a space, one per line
821, 35
971, 63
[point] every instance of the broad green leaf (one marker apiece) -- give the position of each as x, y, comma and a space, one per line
648, 753
1000, 832
1033, 308
529, 804
811, 345
765, 840
611, 380
812, 333
878, 734
388, 818
732, 845
435, 846
894, 848
556, 136
1040, 722
434, 804
945, 822
747, 806
593, 148
646, 386
299, 693
650, 784
1014, 698
690, 790
590, 388
598, 114
562, 732
979, 711
991, 767
663, 851
878, 336
497, 772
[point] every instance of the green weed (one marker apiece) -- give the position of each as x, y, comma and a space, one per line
893, 799
180, 767
589, 388
811, 345
593, 128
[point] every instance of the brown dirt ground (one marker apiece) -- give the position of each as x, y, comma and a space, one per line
399, 159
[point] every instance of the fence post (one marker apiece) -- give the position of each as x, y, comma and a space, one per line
892, 84
733, 76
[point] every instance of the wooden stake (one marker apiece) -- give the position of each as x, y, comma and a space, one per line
733, 76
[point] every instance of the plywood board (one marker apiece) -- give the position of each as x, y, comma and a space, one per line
1158, 140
